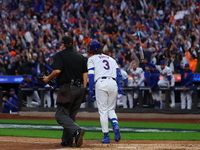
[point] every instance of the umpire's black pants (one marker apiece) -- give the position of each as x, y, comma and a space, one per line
65, 114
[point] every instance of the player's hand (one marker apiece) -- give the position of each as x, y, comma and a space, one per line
92, 96
169, 87
150, 91
120, 91
184, 88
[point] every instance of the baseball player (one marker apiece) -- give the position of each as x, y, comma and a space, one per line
152, 81
186, 81
126, 82
47, 96
168, 79
138, 79
26, 82
13, 101
103, 71
6, 107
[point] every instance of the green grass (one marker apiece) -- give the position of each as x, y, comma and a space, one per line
122, 124
98, 135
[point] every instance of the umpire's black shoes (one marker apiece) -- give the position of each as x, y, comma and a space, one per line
79, 137
64, 144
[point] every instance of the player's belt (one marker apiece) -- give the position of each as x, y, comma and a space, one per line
107, 78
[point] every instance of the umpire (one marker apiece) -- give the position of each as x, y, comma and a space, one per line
70, 68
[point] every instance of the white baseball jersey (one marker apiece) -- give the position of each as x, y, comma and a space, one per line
125, 76
105, 66
106, 89
165, 72
138, 75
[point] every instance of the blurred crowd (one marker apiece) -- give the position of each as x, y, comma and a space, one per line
31, 31
128, 30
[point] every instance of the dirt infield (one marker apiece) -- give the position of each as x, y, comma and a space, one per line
24, 143
21, 143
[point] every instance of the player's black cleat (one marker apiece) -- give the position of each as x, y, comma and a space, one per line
79, 137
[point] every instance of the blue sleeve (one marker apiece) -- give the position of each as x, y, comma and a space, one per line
91, 80
119, 76
191, 76
125, 81
169, 78
154, 82
48, 68
178, 66
147, 77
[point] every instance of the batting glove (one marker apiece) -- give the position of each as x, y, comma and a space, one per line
92, 96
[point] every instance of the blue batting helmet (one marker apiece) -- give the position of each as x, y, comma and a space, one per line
95, 45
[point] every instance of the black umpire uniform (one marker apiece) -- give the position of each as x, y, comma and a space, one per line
70, 68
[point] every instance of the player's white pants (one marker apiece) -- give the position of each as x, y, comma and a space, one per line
128, 98
47, 97
186, 95
156, 96
106, 91
135, 93
33, 96
164, 82
55, 94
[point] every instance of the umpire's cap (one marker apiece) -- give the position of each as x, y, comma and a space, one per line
67, 40
95, 45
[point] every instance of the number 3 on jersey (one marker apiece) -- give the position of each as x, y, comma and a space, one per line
107, 66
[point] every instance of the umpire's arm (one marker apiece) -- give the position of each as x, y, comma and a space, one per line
53, 74
85, 79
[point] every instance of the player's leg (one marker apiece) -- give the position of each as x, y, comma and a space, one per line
29, 100
135, 99
101, 93
55, 93
124, 100
189, 99
172, 95
48, 98
111, 109
183, 101
161, 83
130, 98
36, 97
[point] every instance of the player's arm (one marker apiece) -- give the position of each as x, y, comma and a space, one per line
119, 81
91, 72
190, 81
178, 66
169, 75
142, 78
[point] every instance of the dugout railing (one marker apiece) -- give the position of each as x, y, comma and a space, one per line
140, 109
